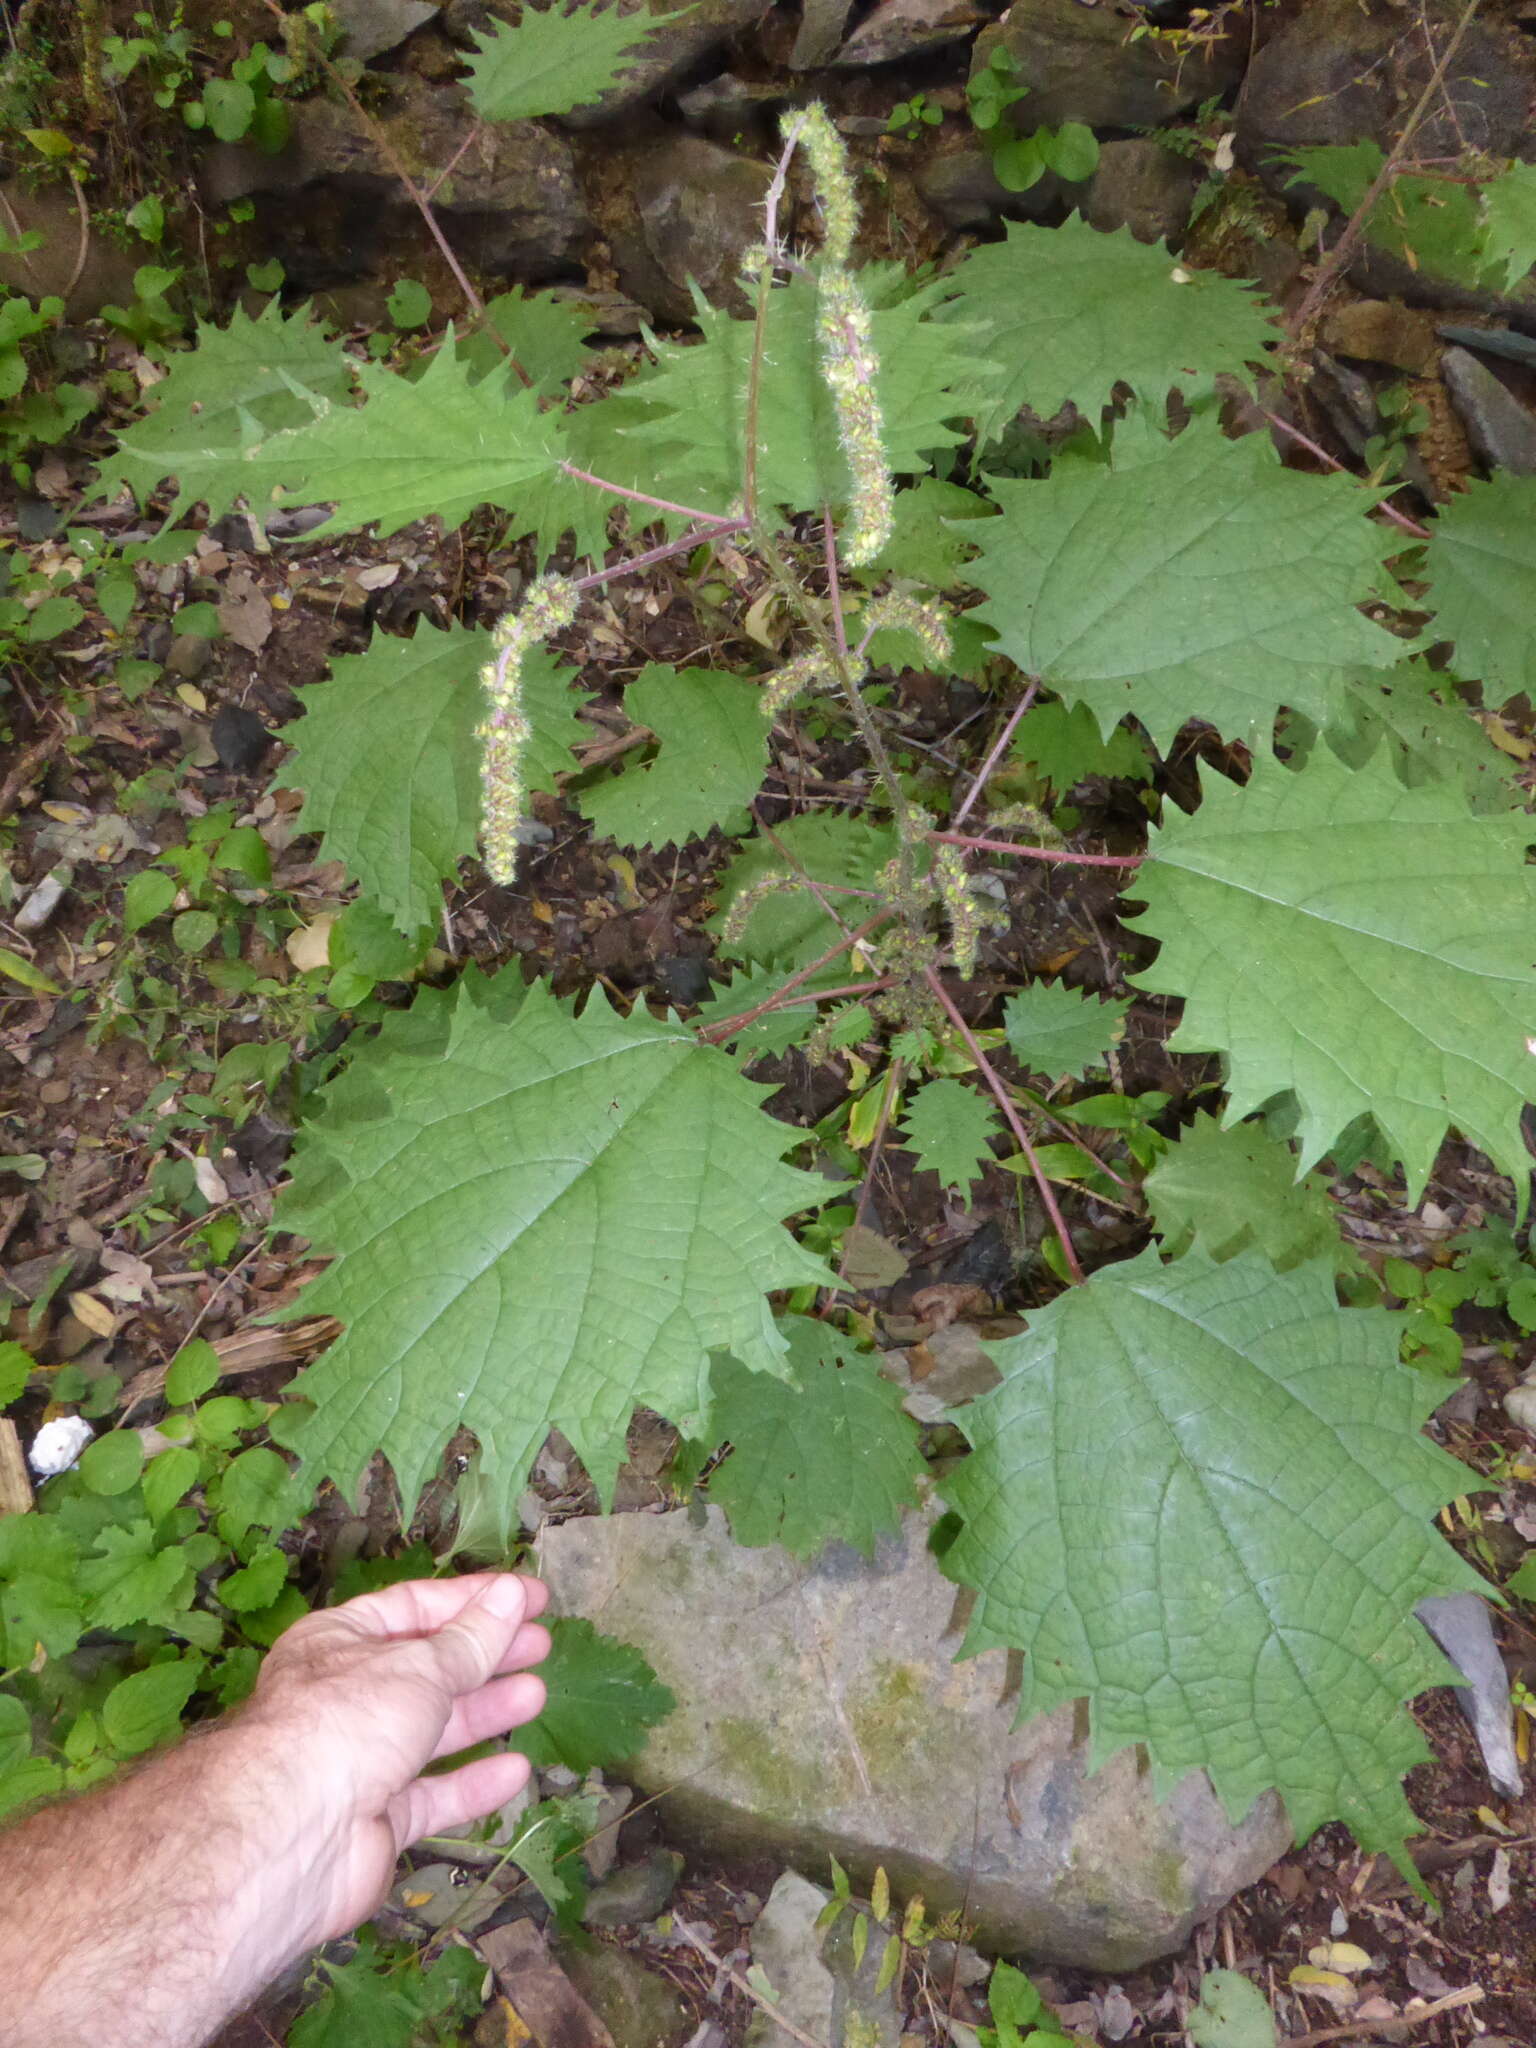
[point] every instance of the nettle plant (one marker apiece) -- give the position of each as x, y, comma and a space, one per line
1200, 1498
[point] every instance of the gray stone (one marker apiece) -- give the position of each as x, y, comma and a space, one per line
1500, 428
1520, 1406
820, 32
638, 1891
446, 1895
43, 900
1380, 331
814, 1979
1460, 1624
691, 210
1340, 71
820, 1710
189, 655
903, 28
53, 269
963, 190
602, 1847
636, 2004
1079, 66
512, 206
1141, 186
370, 28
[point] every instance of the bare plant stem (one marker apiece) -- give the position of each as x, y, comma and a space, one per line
732, 1025
1060, 855
585, 476
1338, 256
1332, 462
717, 530
895, 1074
999, 748
749, 1990
1014, 1121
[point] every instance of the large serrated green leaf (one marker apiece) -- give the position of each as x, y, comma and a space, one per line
1427, 739
1064, 745
713, 756
1136, 317
214, 413
1201, 1501
539, 1219
950, 1128
1481, 562
389, 764
1360, 944
699, 400
554, 59
827, 1456
1192, 578
420, 446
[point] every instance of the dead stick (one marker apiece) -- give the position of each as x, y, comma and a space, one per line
735, 1977
1059, 854
1354, 228
1394, 2029
983, 773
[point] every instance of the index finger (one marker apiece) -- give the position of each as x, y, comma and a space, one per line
420, 1607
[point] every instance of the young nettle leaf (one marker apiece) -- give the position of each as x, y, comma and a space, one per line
603, 1701
389, 764
951, 1127
1138, 318
1272, 1503
1431, 224
698, 396
1508, 204
713, 755
387, 1997
1063, 745
1362, 945
432, 445
828, 1456
1059, 1031
1232, 2013
556, 58
540, 1219
1481, 562
547, 1848
1238, 1187
774, 1032
1191, 578
221, 403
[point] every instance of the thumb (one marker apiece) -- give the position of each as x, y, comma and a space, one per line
470, 1648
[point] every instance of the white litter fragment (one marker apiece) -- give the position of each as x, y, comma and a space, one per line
58, 1444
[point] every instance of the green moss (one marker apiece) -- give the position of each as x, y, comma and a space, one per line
891, 1721
775, 1786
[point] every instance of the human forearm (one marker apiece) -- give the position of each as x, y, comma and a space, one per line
142, 1904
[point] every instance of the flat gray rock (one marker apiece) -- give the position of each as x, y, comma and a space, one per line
820, 1711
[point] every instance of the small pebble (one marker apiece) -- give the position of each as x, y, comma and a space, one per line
1519, 1405
189, 655
239, 739
57, 1445
43, 901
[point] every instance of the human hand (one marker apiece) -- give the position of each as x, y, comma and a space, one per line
352, 1704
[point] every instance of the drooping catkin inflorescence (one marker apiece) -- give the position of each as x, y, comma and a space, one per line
844, 334
548, 605
925, 622
785, 684
734, 924
960, 906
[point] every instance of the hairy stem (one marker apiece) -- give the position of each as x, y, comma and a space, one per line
999, 748
1332, 462
731, 1025
1058, 854
1014, 1121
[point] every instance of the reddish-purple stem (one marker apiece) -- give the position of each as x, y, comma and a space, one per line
983, 773
1046, 853
585, 476
659, 554
734, 1024
1001, 1097
1332, 462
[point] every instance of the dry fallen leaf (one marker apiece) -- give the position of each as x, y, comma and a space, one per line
1498, 1881
95, 1315
244, 612
310, 945
210, 1182
1339, 1955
